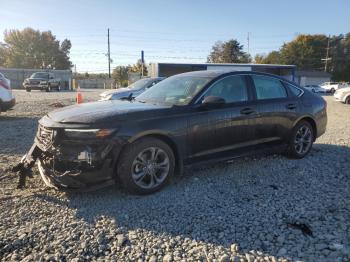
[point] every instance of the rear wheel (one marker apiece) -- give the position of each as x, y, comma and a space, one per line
301, 140
332, 90
146, 165
28, 89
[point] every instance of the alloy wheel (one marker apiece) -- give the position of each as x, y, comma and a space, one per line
303, 140
150, 167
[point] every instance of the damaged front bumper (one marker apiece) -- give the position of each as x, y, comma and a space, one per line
82, 165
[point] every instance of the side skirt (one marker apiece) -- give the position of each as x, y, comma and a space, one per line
262, 149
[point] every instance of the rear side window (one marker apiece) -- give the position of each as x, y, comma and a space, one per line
231, 88
268, 87
296, 91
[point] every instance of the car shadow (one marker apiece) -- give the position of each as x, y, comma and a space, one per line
237, 202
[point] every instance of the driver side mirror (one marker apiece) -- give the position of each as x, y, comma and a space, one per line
213, 102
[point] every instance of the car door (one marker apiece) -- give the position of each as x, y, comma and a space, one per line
277, 108
213, 130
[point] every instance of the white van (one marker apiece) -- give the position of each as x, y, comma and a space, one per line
7, 99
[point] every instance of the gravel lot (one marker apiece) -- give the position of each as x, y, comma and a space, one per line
245, 210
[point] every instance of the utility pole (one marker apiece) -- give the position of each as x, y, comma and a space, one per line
109, 58
248, 42
142, 62
327, 55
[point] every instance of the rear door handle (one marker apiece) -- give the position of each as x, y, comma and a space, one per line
291, 106
247, 111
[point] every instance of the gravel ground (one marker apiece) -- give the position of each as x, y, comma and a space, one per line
266, 208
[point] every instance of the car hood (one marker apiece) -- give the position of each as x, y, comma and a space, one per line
115, 91
106, 112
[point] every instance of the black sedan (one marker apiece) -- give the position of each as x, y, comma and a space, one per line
185, 119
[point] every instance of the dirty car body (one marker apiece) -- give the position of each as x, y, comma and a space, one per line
80, 146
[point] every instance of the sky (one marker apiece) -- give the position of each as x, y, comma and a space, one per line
171, 31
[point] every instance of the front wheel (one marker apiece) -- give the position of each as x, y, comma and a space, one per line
332, 91
347, 100
146, 165
301, 140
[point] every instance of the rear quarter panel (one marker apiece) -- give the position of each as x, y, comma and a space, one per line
315, 107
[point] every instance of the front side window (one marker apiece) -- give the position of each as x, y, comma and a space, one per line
268, 87
231, 88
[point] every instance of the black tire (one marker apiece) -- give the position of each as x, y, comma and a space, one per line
28, 89
59, 87
347, 100
128, 164
293, 146
332, 91
48, 88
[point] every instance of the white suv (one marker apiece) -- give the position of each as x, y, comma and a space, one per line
331, 87
7, 99
343, 95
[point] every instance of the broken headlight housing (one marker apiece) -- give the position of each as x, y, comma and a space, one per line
88, 133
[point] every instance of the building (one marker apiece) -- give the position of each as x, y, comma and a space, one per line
17, 76
305, 77
169, 69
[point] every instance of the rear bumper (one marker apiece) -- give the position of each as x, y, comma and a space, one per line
8, 104
321, 123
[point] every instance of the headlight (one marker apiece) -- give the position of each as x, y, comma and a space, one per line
88, 133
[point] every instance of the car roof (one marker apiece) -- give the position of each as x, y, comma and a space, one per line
217, 73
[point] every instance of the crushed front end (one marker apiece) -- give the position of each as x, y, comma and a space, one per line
72, 158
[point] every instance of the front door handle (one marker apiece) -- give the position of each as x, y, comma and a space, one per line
291, 106
247, 111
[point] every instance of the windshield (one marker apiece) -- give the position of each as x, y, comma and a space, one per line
175, 90
139, 84
40, 75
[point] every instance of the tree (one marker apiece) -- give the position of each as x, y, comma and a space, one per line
137, 68
272, 58
228, 52
305, 51
29, 48
120, 75
340, 57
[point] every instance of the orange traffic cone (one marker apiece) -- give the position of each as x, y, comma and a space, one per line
79, 96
